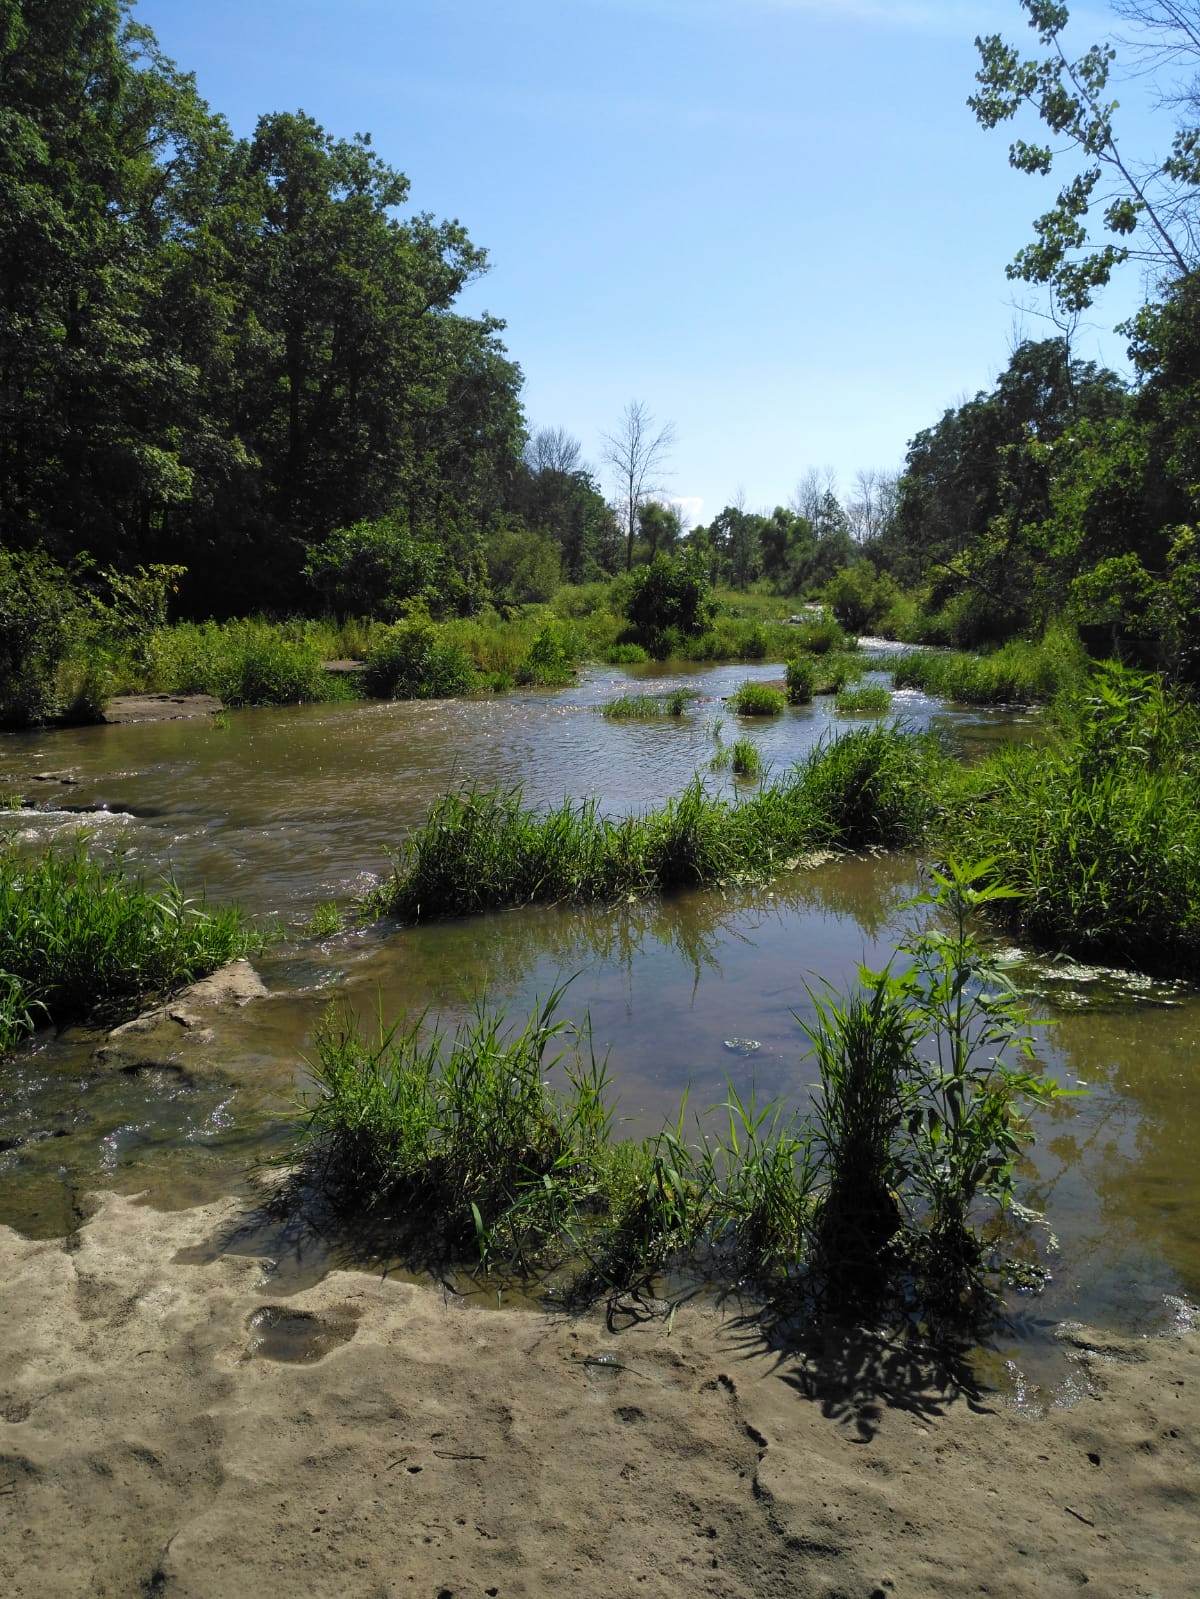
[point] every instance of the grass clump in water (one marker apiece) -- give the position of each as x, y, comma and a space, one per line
868, 701
742, 758
646, 707
499, 1144
1019, 673
80, 938
626, 655
483, 849
757, 699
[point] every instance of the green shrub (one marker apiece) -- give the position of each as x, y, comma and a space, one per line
551, 657
414, 661
669, 595
869, 701
801, 680
79, 938
821, 636
243, 663
40, 612
373, 568
626, 655
757, 699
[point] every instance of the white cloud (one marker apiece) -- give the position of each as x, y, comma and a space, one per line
690, 507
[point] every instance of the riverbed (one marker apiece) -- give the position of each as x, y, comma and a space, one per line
282, 809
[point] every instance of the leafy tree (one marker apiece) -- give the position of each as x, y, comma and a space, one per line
668, 595
1144, 215
374, 568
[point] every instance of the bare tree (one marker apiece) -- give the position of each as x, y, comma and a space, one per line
552, 450
873, 504
811, 491
637, 453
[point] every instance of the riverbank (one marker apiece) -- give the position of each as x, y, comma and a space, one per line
170, 1424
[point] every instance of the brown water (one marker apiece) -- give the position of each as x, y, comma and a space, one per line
284, 808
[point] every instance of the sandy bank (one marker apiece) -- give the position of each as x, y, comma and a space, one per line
152, 1442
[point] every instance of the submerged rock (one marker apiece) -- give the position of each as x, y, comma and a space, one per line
127, 708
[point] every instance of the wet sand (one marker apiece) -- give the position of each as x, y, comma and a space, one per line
170, 1425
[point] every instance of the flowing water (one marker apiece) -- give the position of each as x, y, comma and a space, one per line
281, 809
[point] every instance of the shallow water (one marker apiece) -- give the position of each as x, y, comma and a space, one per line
284, 808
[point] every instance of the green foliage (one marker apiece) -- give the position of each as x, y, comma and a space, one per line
646, 707
626, 655
416, 661
822, 636
550, 662
79, 938
1099, 833
742, 758
860, 597
1018, 673
801, 680
667, 596
869, 701
480, 850
39, 611
243, 663
500, 1143
757, 699
373, 568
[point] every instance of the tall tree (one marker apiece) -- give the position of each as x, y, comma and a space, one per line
637, 452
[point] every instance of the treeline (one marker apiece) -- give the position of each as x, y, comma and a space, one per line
1062, 492
215, 352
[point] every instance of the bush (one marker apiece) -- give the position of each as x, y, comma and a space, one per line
551, 657
668, 595
373, 568
801, 680
626, 655
757, 699
414, 661
741, 757
860, 597
79, 938
243, 663
41, 612
821, 636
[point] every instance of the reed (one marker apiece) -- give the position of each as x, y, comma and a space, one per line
757, 699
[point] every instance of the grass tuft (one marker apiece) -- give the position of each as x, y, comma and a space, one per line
757, 699
869, 701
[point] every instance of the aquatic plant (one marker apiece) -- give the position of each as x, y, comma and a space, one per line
626, 655
801, 679
1017, 673
868, 701
481, 849
757, 699
499, 1143
78, 937
646, 707
742, 757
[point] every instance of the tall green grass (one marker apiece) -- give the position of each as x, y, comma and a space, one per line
646, 707
243, 663
79, 937
417, 661
757, 699
1017, 673
869, 701
1099, 831
483, 849
499, 1143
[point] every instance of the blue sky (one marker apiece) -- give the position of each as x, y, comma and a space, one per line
774, 221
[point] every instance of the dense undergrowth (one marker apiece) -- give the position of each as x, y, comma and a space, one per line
500, 1146
483, 849
1097, 831
1019, 673
80, 938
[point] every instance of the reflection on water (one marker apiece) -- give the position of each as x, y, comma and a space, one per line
287, 807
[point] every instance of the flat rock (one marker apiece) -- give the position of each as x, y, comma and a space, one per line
344, 668
160, 1037
127, 708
